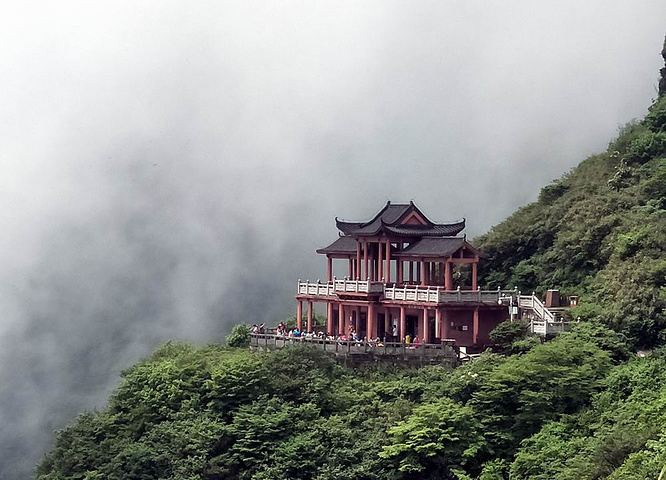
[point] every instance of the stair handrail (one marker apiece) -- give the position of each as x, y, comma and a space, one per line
540, 309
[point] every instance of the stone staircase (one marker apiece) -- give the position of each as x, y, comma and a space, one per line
543, 320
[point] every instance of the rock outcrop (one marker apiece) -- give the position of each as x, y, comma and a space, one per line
662, 81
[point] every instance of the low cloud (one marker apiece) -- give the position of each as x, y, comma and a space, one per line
169, 170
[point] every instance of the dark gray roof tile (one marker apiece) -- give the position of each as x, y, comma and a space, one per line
343, 245
388, 220
433, 247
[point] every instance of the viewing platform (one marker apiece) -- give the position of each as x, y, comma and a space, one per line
363, 351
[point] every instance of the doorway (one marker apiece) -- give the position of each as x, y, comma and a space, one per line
381, 325
411, 326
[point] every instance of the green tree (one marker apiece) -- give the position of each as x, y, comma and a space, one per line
512, 336
239, 336
438, 439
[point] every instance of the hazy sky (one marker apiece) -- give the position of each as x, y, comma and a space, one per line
169, 168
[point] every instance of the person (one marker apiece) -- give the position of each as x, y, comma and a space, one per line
394, 333
255, 329
262, 328
408, 339
416, 340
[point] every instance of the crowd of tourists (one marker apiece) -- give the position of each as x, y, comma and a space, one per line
261, 329
351, 336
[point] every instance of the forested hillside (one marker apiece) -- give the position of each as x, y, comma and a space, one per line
581, 406
600, 232
569, 408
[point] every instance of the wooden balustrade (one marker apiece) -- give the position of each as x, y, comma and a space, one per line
325, 289
429, 294
436, 294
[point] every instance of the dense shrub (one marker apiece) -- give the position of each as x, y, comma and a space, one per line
646, 146
655, 120
239, 336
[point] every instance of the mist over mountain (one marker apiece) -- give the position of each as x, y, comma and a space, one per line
169, 170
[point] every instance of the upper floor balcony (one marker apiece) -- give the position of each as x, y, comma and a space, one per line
404, 292
335, 287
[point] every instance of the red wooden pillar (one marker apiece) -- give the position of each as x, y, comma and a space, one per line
403, 323
446, 324
366, 271
388, 325
299, 316
370, 322
423, 273
329, 318
475, 327
438, 323
399, 267
380, 260
358, 260
448, 278
425, 325
341, 319
418, 272
330, 269
474, 274
309, 316
388, 261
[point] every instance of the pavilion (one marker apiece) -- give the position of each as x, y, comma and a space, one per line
399, 272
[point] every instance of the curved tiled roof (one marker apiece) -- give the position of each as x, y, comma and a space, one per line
344, 245
442, 230
389, 218
433, 247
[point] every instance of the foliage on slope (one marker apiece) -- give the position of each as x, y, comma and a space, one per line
622, 435
215, 413
600, 232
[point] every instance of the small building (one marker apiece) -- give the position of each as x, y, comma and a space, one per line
401, 274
